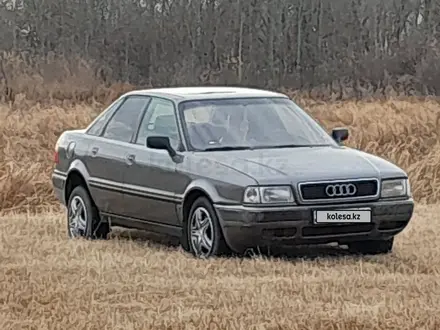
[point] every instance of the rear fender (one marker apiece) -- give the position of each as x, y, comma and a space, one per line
79, 167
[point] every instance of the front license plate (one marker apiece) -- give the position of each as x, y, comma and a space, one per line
343, 216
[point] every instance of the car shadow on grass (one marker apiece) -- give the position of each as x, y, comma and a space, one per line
144, 237
288, 253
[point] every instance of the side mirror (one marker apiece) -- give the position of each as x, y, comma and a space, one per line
340, 134
161, 142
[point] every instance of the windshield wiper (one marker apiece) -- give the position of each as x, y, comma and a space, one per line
292, 146
226, 148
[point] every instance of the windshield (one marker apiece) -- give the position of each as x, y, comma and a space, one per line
250, 123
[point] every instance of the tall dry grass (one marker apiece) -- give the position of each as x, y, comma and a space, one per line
405, 132
53, 79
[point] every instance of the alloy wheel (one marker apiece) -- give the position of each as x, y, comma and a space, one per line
77, 217
201, 232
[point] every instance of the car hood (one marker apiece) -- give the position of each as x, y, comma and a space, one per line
276, 166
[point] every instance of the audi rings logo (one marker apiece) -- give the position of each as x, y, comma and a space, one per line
340, 190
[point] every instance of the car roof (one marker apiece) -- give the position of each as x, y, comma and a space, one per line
201, 93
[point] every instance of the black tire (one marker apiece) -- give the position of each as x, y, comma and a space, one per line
94, 228
218, 246
373, 247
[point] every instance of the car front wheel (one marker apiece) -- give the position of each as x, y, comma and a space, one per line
83, 218
203, 233
372, 247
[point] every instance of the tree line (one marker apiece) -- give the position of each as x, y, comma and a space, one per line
326, 47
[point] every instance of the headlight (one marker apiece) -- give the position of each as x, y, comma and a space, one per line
395, 188
268, 195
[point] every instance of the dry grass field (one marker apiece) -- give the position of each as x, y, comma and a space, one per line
49, 282
403, 131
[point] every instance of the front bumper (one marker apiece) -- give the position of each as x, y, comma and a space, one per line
247, 227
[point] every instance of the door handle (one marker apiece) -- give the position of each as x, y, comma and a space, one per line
94, 151
130, 159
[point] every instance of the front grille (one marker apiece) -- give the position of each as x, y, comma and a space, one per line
317, 191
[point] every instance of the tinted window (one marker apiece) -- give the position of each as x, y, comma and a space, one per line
124, 123
160, 119
98, 125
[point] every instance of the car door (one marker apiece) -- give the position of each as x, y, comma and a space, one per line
106, 158
150, 182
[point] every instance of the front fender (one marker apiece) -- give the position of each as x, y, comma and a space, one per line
218, 195
217, 192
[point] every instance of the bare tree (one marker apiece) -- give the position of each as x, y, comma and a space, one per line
349, 47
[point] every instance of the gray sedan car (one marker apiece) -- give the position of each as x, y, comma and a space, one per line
226, 169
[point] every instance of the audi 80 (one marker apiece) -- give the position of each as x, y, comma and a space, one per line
226, 169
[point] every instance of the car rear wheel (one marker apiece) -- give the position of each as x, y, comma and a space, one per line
203, 232
83, 218
372, 247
